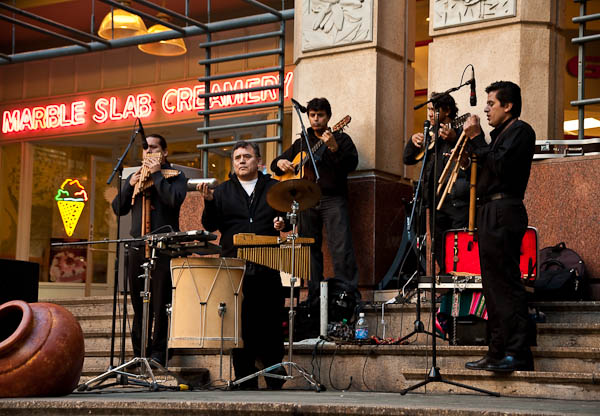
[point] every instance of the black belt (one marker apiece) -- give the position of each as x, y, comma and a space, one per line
496, 197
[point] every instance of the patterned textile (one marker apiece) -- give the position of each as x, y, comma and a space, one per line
457, 304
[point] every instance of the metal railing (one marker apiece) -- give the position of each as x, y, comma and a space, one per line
581, 40
208, 95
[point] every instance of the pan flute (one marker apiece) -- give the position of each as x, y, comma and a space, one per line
274, 253
146, 181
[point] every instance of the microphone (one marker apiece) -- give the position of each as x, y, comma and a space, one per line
473, 97
426, 126
300, 106
141, 132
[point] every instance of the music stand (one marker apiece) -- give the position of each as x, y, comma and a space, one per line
434, 374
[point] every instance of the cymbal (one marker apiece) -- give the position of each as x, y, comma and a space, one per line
283, 194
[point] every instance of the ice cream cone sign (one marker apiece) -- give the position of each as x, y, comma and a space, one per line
70, 198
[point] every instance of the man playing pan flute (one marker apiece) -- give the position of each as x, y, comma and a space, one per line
239, 205
165, 189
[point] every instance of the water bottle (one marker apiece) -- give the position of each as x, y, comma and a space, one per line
362, 329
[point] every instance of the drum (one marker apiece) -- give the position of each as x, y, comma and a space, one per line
202, 288
461, 253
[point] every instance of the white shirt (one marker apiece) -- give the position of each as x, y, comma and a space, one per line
249, 185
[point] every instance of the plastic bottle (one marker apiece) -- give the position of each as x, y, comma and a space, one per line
362, 328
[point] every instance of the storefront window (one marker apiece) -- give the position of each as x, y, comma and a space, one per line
68, 187
10, 173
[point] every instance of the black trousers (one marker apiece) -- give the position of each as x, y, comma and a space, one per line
262, 317
502, 225
331, 212
161, 293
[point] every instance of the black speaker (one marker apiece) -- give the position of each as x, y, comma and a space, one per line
19, 281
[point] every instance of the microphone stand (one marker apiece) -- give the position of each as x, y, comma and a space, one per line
434, 372
419, 328
305, 142
118, 169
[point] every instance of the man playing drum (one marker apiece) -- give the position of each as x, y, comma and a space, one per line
239, 205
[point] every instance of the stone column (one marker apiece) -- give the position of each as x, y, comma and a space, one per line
357, 54
509, 40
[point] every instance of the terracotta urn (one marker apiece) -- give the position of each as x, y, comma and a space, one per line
41, 350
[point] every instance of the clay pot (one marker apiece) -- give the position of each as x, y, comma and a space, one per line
41, 350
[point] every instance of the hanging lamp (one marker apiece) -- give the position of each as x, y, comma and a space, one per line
120, 23
170, 47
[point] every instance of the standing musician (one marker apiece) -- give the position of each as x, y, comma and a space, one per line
166, 193
239, 205
502, 222
454, 213
339, 158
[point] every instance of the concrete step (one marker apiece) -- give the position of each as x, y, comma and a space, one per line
100, 339
561, 373
90, 305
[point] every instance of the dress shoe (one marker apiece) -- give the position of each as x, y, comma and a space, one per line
276, 383
508, 364
158, 358
481, 364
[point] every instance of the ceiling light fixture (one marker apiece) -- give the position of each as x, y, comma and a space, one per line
170, 47
119, 23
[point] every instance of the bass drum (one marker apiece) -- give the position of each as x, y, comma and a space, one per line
207, 302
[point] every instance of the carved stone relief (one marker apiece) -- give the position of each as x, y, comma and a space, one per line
447, 13
330, 23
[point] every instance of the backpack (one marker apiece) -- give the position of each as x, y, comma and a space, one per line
561, 274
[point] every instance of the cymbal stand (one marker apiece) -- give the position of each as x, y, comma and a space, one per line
143, 362
290, 364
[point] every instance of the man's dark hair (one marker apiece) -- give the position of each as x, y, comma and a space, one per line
507, 92
319, 104
245, 144
161, 140
446, 103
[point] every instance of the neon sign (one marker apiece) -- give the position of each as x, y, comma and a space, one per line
175, 100
70, 198
41, 118
184, 99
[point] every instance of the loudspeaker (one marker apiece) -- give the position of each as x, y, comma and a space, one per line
19, 281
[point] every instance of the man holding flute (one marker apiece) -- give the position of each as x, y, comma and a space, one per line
502, 221
165, 196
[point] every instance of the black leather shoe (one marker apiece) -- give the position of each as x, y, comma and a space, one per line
481, 364
508, 364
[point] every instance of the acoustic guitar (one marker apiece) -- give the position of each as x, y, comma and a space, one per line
302, 157
455, 124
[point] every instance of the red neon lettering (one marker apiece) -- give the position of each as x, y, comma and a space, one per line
101, 112
52, 116
10, 121
144, 102
252, 97
288, 82
184, 99
26, 120
214, 101
199, 102
269, 80
112, 109
77, 112
129, 109
167, 100
233, 99
39, 118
